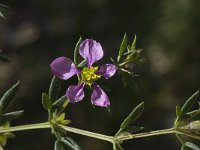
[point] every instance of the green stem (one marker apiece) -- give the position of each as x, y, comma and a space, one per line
88, 133
26, 127
145, 134
111, 139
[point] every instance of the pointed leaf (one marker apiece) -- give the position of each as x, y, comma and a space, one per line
70, 143
54, 88
135, 54
82, 64
60, 101
178, 111
10, 116
194, 115
76, 51
8, 97
122, 47
58, 145
133, 116
134, 43
190, 145
46, 101
189, 103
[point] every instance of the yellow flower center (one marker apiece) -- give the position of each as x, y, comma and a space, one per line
89, 75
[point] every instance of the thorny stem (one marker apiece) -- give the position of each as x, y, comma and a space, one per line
111, 139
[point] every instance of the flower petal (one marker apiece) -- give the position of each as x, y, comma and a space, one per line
99, 97
63, 68
107, 70
75, 93
91, 51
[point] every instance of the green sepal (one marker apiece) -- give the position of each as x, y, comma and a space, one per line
189, 103
10, 116
122, 47
46, 102
54, 89
60, 101
76, 51
8, 97
82, 64
72, 145
189, 146
60, 119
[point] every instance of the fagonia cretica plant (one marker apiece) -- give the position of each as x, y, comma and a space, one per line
86, 53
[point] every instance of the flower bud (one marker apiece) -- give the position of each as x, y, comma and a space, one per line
192, 128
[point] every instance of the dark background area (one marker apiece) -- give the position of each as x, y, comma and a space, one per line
37, 31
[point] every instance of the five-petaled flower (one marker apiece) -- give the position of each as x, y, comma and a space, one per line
64, 68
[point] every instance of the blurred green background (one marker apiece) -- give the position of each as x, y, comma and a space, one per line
37, 31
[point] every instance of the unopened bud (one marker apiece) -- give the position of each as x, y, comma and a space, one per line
191, 128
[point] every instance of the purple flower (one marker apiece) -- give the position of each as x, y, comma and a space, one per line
64, 68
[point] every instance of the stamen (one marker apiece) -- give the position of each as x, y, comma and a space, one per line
89, 75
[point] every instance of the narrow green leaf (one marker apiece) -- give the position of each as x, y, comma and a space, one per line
58, 145
194, 115
70, 143
134, 55
133, 116
189, 103
76, 51
190, 145
178, 111
10, 116
54, 89
8, 97
134, 43
46, 101
60, 101
122, 47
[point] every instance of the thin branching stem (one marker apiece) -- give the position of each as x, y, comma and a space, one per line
112, 139
26, 127
145, 134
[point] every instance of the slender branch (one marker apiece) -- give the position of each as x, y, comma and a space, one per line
145, 134
88, 133
26, 127
111, 139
